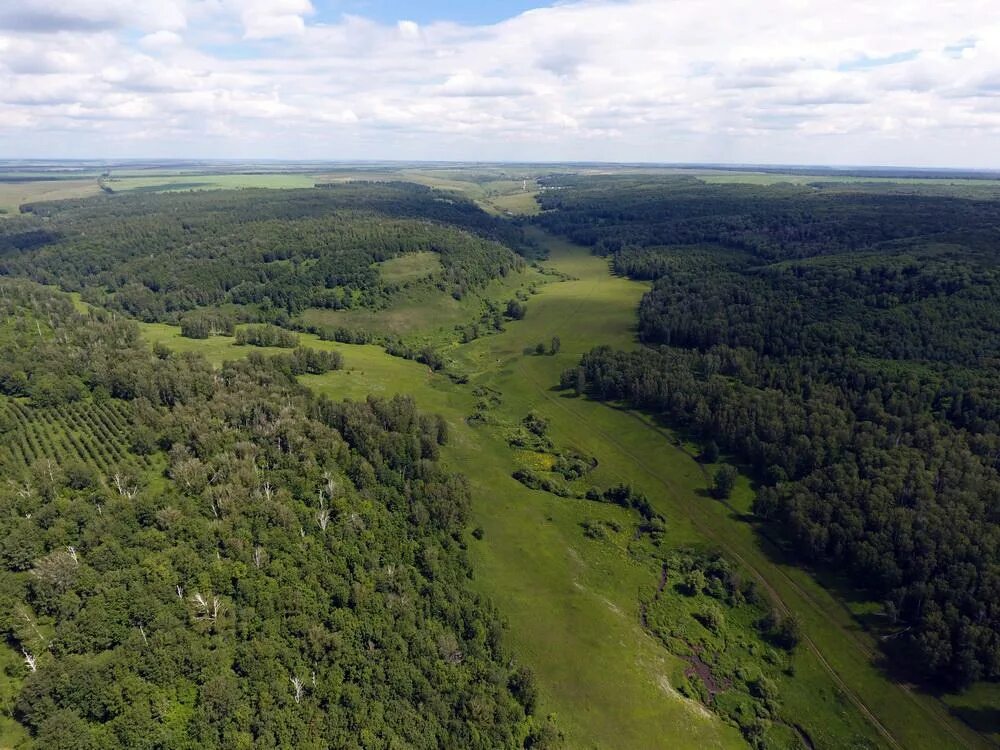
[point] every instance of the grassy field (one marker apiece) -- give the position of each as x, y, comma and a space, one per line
13, 194
798, 178
572, 602
11, 733
425, 315
409, 267
173, 182
521, 203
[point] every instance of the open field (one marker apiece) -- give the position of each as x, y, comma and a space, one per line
978, 708
409, 267
425, 315
169, 183
799, 178
564, 594
519, 203
13, 194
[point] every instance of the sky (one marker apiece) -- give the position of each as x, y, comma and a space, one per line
838, 82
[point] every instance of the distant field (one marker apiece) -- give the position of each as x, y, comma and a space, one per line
13, 194
519, 203
167, 183
409, 267
965, 188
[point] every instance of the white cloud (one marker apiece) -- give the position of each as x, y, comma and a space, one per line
161, 39
269, 19
653, 80
408, 29
48, 16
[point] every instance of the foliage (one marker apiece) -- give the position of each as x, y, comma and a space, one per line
704, 611
294, 578
158, 256
723, 481
266, 335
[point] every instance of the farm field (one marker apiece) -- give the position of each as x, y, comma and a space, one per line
170, 183
13, 194
564, 593
92, 434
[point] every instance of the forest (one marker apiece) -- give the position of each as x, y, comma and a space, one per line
273, 253
844, 348
199, 558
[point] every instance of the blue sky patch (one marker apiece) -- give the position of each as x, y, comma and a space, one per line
471, 12
867, 63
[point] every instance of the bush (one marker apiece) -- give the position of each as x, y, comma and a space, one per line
724, 481
516, 310
266, 335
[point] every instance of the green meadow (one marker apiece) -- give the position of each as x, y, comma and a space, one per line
425, 314
571, 602
13, 194
409, 267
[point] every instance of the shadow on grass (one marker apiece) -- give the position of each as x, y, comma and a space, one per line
985, 719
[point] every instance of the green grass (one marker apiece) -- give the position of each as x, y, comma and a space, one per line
218, 349
13, 194
424, 314
571, 603
979, 707
521, 203
168, 183
564, 598
409, 267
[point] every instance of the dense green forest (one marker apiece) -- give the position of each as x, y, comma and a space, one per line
199, 558
844, 346
157, 256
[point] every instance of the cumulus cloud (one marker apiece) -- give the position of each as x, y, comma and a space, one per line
161, 39
50, 16
268, 19
652, 80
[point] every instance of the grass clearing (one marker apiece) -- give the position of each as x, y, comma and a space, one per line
979, 707
12, 734
161, 183
14, 194
425, 315
409, 267
520, 203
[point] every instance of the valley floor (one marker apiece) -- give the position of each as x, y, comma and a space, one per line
572, 602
